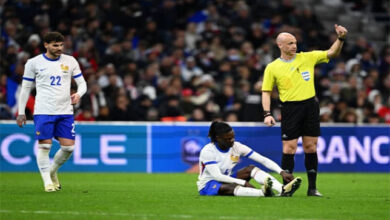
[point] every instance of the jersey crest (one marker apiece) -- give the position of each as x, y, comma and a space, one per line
64, 68
234, 158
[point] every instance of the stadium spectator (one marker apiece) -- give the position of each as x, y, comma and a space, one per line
224, 38
85, 115
94, 99
142, 107
122, 110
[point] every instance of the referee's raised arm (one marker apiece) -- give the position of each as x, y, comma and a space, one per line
335, 49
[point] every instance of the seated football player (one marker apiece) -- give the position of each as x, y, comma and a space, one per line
218, 158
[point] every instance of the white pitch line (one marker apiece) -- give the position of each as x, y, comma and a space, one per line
303, 219
142, 215
124, 214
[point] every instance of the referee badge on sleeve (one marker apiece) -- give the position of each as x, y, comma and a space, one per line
306, 75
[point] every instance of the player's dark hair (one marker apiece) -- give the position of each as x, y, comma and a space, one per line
53, 37
218, 128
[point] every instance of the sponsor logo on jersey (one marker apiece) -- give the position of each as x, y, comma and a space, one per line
214, 186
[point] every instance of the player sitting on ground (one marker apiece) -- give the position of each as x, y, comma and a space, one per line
218, 158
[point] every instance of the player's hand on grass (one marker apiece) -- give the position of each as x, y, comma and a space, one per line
269, 120
21, 120
341, 31
75, 98
247, 184
286, 176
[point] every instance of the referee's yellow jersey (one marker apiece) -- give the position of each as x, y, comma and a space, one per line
294, 78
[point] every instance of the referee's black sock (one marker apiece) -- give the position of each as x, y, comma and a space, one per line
288, 164
311, 164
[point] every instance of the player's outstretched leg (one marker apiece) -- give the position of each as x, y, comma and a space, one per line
60, 158
261, 176
291, 187
247, 191
267, 187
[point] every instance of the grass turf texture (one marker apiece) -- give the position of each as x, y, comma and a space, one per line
174, 196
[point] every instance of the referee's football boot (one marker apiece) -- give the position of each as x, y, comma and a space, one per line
50, 188
289, 189
55, 181
313, 192
267, 187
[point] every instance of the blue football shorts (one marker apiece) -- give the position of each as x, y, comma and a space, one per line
49, 126
212, 187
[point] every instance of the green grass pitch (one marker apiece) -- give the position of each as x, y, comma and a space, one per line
174, 196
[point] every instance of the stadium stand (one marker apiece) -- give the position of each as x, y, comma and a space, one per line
199, 60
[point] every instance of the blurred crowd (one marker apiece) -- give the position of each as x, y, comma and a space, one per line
187, 60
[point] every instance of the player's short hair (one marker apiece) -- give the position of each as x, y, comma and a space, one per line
53, 37
218, 128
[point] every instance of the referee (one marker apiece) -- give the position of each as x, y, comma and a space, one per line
293, 75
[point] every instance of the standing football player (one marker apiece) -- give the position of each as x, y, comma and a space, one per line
53, 110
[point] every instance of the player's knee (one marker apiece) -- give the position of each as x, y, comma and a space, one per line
44, 146
250, 167
310, 147
289, 148
227, 189
254, 170
46, 141
68, 148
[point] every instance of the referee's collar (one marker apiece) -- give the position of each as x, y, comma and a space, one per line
288, 61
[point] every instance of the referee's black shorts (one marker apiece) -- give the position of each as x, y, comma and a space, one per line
301, 118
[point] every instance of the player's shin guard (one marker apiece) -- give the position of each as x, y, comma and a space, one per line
246, 191
311, 164
43, 162
260, 176
288, 164
61, 157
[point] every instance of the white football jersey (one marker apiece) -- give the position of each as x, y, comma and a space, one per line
53, 79
226, 161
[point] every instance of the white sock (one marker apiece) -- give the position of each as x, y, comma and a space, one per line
43, 162
61, 157
246, 191
260, 177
